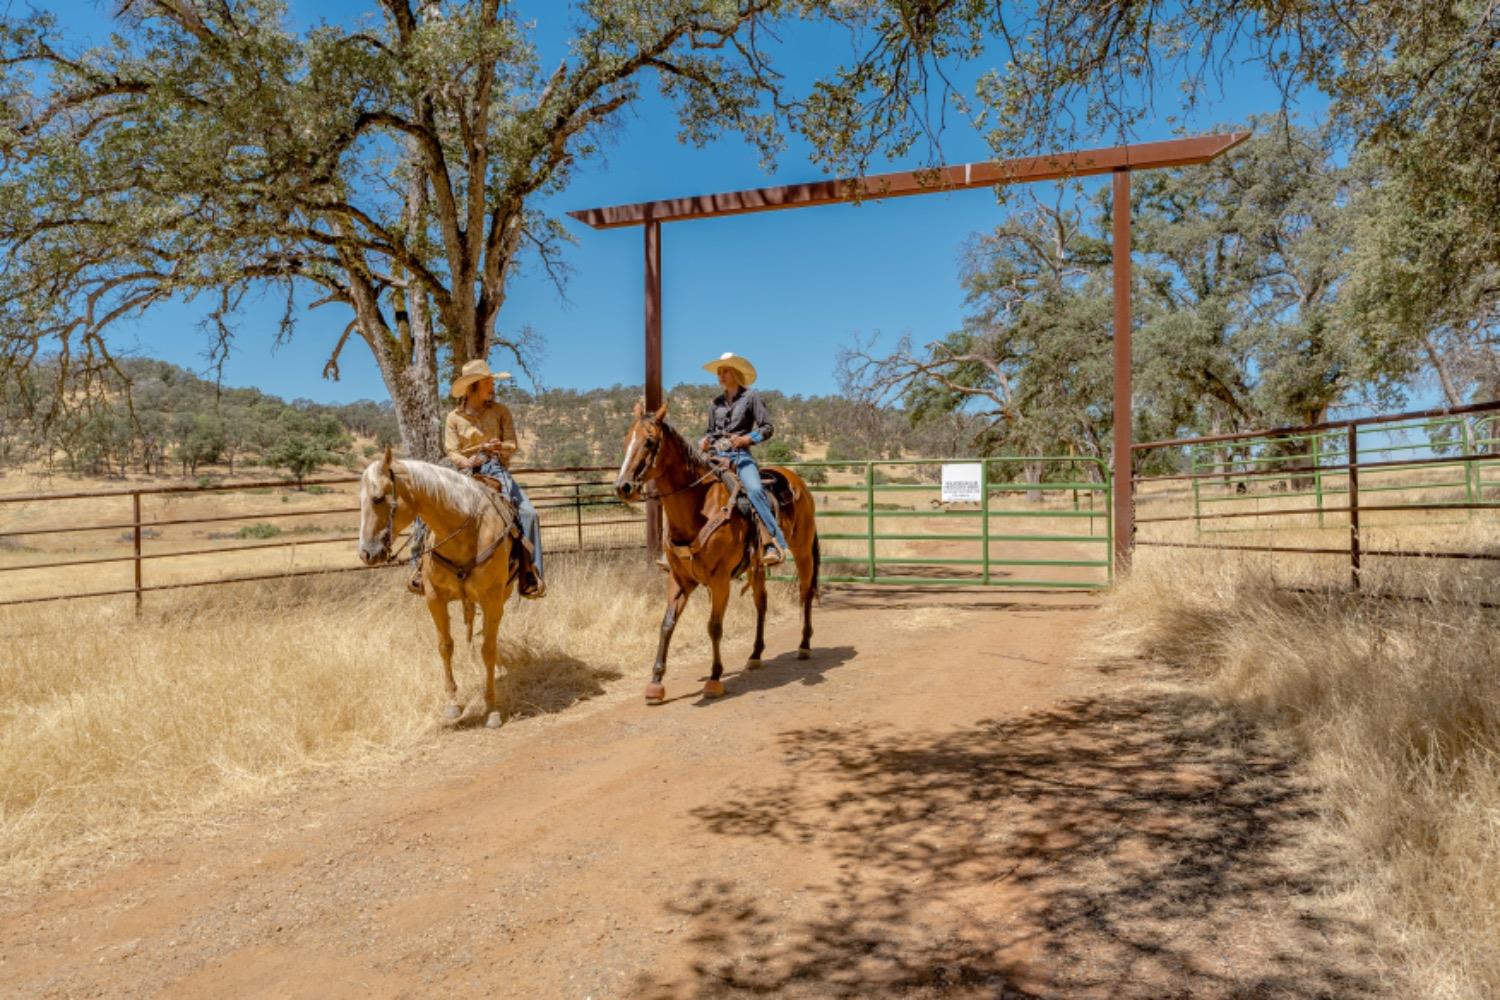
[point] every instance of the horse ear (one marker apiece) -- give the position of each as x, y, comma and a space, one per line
640, 408
661, 412
385, 460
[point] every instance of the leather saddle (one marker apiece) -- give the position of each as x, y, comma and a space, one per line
521, 556
777, 487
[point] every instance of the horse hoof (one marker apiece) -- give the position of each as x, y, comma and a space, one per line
713, 689
492, 721
753, 663
452, 712
804, 654
656, 693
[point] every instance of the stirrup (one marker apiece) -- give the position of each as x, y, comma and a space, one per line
772, 555
414, 584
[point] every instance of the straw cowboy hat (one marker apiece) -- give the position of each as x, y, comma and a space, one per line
472, 372
731, 360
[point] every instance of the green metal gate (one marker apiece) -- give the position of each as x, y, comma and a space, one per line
886, 522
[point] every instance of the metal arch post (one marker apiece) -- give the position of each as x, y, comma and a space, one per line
652, 230
1124, 484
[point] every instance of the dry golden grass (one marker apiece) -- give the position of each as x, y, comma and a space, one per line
112, 728
1396, 706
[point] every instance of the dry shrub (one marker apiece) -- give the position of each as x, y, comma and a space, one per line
1396, 705
111, 728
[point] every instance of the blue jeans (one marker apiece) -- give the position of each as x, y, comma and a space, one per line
745, 468
531, 527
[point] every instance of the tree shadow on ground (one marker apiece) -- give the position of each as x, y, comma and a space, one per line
1141, 845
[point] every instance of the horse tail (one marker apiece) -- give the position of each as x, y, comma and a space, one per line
817, 562
469, 618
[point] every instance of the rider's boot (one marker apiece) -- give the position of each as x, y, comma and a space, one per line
771, 552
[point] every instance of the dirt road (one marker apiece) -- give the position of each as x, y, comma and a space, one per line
943, 802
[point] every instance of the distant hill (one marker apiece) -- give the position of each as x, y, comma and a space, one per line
175, 422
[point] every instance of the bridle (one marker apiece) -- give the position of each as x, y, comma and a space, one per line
653, 452
388, 533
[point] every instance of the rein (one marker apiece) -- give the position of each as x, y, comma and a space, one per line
710, 474
462, 572
654, 454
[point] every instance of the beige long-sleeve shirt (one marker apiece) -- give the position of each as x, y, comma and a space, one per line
463, 433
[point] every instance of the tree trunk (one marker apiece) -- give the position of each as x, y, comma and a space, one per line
1440, 366
1031, 473
414, 395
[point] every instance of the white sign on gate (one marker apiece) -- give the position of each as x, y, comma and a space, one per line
961, 483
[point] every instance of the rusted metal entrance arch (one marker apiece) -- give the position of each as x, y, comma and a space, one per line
1116, 160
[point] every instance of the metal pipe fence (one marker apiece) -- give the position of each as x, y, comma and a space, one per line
979, 555
577, 508
1415, 463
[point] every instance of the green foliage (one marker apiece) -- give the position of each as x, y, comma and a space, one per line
306, 442
170, 415
260, 529
776, 451
1238, 271
1412, 93
393, 167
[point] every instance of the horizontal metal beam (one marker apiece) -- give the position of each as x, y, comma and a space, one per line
989, 173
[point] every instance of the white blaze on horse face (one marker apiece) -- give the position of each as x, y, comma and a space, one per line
369, 533
630, 447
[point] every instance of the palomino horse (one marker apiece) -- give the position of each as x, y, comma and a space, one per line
692, 496
469, 559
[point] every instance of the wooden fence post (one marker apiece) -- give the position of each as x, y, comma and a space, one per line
578, 513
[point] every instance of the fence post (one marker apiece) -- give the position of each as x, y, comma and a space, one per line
1468, 430
1197, 502
1354, 506
1109, 521
135, 507
870, 516
578, 513
984, 513
1317, 457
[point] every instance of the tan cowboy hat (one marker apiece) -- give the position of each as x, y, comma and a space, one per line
472, 372
731, 360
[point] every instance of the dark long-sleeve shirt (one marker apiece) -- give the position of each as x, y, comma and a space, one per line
745, 414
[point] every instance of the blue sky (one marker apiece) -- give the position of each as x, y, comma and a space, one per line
785, 288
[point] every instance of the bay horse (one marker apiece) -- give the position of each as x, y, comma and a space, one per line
468, 559
691, 495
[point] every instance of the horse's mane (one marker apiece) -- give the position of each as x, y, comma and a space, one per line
445, 486
698, 463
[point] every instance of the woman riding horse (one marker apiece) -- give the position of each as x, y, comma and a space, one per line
479, 437
737, 419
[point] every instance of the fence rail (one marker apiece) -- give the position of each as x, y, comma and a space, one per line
1342, 460
555, 499
1078, 479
